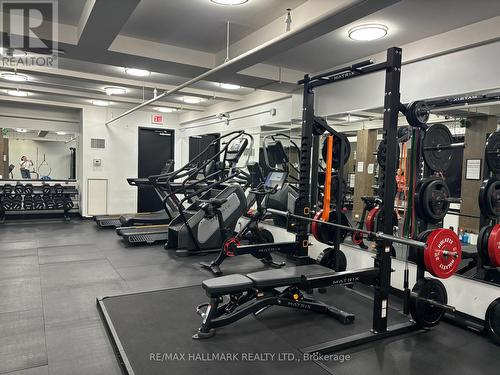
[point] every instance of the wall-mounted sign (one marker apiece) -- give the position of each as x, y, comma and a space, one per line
157, 119
473, 169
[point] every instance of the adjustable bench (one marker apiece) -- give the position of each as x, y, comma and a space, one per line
255, 292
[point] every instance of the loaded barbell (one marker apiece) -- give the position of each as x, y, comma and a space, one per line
442, 251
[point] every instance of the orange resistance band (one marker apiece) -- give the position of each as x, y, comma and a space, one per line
328, 178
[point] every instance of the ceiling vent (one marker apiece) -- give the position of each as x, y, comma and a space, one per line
97, 143
42, 133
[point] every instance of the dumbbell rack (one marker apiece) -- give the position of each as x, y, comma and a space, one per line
35, 197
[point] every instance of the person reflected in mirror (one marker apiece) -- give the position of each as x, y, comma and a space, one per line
25, 168
401, 186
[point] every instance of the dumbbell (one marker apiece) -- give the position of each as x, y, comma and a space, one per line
19, 188
59, 202
68, 203
28, 189
38, 202
17, 202
29, 202
7, 202
46, 189
7, 189
49, 202
58, 189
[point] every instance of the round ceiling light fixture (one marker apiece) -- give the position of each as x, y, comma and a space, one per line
18, 93
368, 32
14, 76
165, 109
137, 72
20, 130
229, 2
192, 99
115, 90
100, 103
229, 86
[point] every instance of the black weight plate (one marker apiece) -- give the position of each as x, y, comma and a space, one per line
336, 150
417, 253
431, 197
327, 233
489, 198
438, 160
379, 221
417, 114
482, 244
382, 155
264, 236
492, 321
492, 152
425, 314
333, 259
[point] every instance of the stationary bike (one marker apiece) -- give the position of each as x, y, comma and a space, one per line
260, 242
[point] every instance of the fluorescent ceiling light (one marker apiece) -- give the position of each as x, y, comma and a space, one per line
137, 72
19, 130
229, 2
165, 109
61, 133
18, 93
368, 32
115, 90
192, 99
16, 77
229, 86
100, 103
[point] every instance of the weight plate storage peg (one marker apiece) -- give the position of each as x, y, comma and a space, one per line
333, 259
489, 198
443, 253
417, 114
422, 310
431, 199
438, 137
492, 152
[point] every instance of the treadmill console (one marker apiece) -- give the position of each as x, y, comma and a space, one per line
275, 179
235, 150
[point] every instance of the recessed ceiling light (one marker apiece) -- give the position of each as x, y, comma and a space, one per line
19, 130
229, 86
165, 109
100, 103
368, 32
61, 133
192, 99
137, 72
18, 93
115, 90
229, 2
17, 77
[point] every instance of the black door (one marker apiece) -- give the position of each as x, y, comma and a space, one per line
156, 147
199, 143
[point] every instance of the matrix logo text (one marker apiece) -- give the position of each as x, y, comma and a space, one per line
29, 33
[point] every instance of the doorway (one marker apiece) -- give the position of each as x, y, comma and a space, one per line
156, 148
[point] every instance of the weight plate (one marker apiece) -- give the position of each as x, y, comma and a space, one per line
325, 233
417, 253
492, 152
333, 259
443, 253
489, 198
382, 155
482, 244
437, 160
264, 236
492, 320
336, 150
431, 204
357, 238
494, 246
379, 221
425, 314
417, 114
370, 219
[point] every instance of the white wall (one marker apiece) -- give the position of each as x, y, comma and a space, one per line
119, 158
56, 154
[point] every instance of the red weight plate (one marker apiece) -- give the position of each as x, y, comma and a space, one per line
438, 264
370, 219
494, 246
314, 225
357, 238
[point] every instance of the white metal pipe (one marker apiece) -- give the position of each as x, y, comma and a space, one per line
254, 51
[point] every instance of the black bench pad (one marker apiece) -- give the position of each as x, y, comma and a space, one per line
286, 276
220, 286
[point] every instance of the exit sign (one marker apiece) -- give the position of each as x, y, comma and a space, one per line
157, 119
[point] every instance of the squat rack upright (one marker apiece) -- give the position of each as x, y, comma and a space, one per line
312, 128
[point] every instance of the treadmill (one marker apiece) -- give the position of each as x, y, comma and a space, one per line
202, 183
143, 218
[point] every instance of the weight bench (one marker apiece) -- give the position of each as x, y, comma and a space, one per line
255, 292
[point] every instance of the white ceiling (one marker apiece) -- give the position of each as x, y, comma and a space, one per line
201, 24
408, 21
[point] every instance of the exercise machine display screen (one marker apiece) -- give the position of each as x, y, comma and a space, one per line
276, 179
